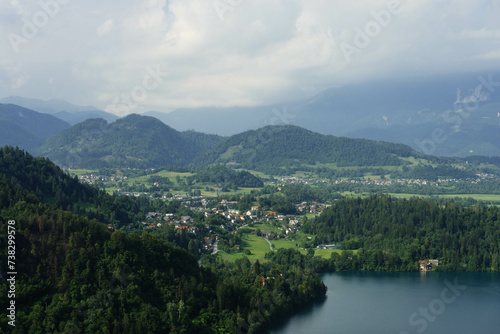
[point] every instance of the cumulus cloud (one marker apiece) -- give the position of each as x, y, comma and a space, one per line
247, 53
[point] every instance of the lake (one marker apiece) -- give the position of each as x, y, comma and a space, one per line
401, 303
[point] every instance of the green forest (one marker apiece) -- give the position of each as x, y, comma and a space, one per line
398, 233
133, 141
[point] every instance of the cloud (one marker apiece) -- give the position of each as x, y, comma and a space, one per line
262, 52
105, 28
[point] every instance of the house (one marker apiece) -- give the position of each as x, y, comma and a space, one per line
427, 265
434, 263
333, 246
263, 280
152, 214
185, 219
266, 233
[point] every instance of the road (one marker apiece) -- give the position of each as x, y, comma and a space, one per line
216, 247
270, 245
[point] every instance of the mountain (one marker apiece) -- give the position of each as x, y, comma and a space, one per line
284, 146
462, 108
133, 141
465, 107
463, 134
25, 128
145, 142
48, 107
80, 116
64, 110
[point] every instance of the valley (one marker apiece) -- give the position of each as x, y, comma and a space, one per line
262, 211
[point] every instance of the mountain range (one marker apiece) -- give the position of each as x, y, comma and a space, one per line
452, 115
464, 108
64, 110
145, 142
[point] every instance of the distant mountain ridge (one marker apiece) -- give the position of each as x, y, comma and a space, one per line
145, 142
64, 110
398, 110
25, 128
46, 106
222, 121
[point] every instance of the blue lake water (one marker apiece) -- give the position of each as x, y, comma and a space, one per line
401, 303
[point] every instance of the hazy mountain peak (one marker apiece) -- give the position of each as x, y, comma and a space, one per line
51, 106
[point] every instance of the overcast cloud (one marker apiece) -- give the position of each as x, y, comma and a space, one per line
233, 52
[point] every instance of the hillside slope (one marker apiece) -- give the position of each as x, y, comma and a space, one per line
287, 145
26, 128
134, 141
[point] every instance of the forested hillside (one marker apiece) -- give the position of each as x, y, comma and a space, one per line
401, 232
270, 148
134, 141
77, 275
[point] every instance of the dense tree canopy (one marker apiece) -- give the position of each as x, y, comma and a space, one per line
76, 275
411, 230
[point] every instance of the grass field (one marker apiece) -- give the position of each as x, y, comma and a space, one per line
257, 246
144, 181
267, 227
477, 197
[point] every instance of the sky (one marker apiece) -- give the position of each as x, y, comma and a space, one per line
134, 56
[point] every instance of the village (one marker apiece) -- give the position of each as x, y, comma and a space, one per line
229, 219
94, 178
209, 219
